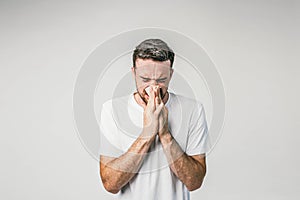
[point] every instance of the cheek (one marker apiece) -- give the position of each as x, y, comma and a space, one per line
141, 85
163, 85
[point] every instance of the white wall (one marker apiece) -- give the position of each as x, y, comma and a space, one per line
254, 45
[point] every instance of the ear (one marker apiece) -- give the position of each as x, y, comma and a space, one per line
171, 73
133, 71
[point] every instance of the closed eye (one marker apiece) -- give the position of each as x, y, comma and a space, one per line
146, 79
161, 80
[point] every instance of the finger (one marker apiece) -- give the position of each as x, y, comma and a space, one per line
165, 97
159, 108
151, 101
159, 95
156, 102
151, 93
157, 89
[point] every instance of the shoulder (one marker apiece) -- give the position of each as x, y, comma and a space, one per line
186, 102
116, 102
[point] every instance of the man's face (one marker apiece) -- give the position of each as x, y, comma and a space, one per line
152, 73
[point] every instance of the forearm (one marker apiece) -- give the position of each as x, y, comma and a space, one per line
185, 167
118, 172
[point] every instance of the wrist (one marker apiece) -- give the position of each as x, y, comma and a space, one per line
165, 137
147, 134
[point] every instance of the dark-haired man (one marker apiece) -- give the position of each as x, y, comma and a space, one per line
165, 158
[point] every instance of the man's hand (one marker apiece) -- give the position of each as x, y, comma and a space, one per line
163, 115
189, 169
151, 114
117, 172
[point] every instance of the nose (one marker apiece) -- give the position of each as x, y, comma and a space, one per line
153, 82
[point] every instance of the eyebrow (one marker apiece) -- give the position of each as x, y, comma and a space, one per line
144, 77
163, 78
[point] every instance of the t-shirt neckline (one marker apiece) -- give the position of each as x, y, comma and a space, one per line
140, 107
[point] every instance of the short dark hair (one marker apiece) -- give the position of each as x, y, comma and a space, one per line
154, 49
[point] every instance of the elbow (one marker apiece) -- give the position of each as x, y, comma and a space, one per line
108, 184
112, 190
194, 186
195, 182
109, 187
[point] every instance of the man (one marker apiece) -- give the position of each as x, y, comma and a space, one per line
165, 158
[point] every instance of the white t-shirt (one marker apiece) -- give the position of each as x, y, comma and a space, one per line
122, 122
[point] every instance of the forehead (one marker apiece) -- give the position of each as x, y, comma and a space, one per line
149, 66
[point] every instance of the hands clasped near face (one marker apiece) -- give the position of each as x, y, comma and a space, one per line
155, 114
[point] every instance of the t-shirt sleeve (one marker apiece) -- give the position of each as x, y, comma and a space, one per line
109, 141
198, 140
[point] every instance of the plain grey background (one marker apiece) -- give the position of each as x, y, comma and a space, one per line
254, 45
